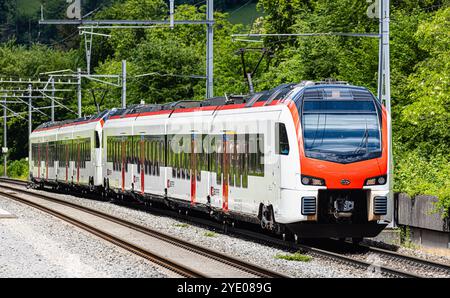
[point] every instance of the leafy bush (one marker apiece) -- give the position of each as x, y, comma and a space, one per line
417, 174
16, 169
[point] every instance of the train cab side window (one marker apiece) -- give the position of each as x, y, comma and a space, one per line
281, 139
97, 140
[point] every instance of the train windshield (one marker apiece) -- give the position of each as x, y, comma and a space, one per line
342, 131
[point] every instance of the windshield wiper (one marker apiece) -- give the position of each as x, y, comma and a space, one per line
364, 142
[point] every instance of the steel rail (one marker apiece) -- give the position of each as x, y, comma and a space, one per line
411, 260
226, 259
415, 261
168, 264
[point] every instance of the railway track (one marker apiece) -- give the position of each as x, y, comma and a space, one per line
416, 267
427, 268
182, 257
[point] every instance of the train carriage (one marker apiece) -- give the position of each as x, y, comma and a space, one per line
68, 152
311, 158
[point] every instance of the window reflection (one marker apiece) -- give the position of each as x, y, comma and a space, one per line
341, 131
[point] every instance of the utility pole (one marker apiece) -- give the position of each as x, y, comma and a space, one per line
387, 94
210, 50
5, 143
124, 84
88, 26
30, 117
53, 100
79, 92
380, 51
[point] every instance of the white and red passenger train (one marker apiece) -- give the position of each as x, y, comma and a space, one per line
310, 158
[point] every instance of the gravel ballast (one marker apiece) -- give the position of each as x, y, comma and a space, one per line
36, 244
260, 254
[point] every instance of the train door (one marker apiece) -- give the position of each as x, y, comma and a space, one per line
199, 178
66, 159
141, 164
220, 170
215, 147
46, 161
124, 165
77, 159
39, 159
226, 171
193, 169
179, 156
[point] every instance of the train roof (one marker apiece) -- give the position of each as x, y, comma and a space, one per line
310, 90
278, 92
85, 119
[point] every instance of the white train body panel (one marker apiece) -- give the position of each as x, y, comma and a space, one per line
262, 160
75, 157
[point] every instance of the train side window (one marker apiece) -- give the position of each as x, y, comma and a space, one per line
151, 157
70, 157
240, 143
137, 153
155, 156
281, 139
260, 155
187, 155
147, 162
114, 153
97, 140
170, 155
231, 160
219, 160
245, 160
252, 154
108, 150
160, 155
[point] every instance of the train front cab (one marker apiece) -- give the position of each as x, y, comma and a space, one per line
341, 186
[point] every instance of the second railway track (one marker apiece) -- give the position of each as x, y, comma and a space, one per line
412, 267
182, 257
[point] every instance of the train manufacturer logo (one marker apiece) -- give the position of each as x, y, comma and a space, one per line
345, 182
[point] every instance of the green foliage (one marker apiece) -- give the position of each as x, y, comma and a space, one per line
405, 238
416, 173
21, 62
297, 256
423, 124
17, 169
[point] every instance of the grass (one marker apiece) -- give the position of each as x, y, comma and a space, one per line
210, 234
405, 238
182, 225
298, 257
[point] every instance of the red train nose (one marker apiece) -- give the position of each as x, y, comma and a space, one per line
343, 176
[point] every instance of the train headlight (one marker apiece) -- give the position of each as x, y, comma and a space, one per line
308, 180
379, 180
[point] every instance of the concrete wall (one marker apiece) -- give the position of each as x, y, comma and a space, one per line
419, 212
426, 226
429, 238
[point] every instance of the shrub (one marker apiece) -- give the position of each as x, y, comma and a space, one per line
418, 174
16, 169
